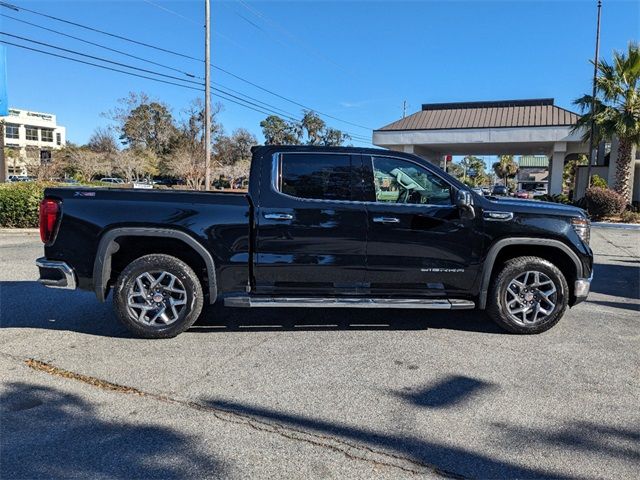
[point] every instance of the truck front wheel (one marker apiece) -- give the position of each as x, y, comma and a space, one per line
529, 295
158, 296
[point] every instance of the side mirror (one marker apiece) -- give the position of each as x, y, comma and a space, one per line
464, 201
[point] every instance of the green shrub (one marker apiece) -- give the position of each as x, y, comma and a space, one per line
598, 181
629, 216
604, 202
19, 203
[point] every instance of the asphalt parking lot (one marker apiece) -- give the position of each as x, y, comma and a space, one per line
319, 394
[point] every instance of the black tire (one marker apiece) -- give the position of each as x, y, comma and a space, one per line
497, 308
188, 288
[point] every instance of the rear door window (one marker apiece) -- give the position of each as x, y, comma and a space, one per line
316, 176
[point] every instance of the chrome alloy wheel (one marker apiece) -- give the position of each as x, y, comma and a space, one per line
156, 298
530, 298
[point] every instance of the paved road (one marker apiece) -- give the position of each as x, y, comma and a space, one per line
317, 394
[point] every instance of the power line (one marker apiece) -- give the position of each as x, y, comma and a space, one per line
300, 42
219, 93
191, 20
120, 37
98, 65
144, 60
191, 75
173, 12
249, 82
238, 77
75, 52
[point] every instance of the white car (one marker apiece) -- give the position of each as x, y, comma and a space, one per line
112, 180
539, 192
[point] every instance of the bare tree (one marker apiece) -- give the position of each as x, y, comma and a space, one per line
84, 162
234, 173
103, 140
183, 164
130, 165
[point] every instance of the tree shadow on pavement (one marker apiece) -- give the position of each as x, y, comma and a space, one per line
451, 459
616, 280
30, 305
618, 443
451, 391
48, 433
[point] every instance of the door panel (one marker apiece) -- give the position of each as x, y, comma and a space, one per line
307, 245
417, 242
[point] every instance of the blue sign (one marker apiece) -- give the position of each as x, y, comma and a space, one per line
4, 101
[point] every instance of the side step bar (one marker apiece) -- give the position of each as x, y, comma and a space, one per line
345, 302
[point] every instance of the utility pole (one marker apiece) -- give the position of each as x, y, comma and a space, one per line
593, 97
207, 95
404, 108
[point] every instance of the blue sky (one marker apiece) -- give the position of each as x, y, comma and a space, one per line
357, 61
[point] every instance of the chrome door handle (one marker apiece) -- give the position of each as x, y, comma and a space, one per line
278, 216
386, 220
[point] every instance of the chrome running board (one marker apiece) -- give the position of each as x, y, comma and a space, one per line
346, 302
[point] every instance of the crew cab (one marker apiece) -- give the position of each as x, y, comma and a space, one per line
320, 227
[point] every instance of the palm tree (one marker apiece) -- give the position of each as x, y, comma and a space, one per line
505, 168
616, 111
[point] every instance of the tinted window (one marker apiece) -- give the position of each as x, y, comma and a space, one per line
400, 181
32, 133
316, 176
11, 131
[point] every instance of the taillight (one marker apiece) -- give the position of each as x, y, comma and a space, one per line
49, 212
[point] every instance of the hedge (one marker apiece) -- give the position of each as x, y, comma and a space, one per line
603, 202
19, 204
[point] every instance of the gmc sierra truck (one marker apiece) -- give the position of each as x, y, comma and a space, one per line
319, 227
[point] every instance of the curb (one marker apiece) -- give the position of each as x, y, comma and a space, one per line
619, 226
19, 231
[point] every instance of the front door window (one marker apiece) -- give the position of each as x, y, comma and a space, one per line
400, 181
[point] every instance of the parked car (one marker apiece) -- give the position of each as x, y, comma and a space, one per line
499, 191
112, 180
522, 194
319, 228
539, 192
20, 178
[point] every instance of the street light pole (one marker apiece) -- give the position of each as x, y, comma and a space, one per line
593, 97
207, 95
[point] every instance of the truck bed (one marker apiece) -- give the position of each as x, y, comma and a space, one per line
217, 220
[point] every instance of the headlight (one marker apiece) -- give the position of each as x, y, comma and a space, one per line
582, 227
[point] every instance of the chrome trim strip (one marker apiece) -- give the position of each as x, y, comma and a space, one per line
346, 302
278, 216
69, 277
497, 216
386, 220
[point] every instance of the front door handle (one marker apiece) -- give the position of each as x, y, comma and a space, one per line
386, 220
278, 216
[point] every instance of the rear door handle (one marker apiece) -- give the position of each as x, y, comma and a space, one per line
386, 220
278, 216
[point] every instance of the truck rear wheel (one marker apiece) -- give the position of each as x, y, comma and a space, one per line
158, 296
529, 295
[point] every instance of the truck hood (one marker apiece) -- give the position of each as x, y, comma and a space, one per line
533, 206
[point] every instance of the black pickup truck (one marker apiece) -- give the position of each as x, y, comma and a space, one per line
319, 227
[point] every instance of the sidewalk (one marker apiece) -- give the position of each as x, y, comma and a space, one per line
19, 231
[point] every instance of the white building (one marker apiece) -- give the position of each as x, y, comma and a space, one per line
29, 138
